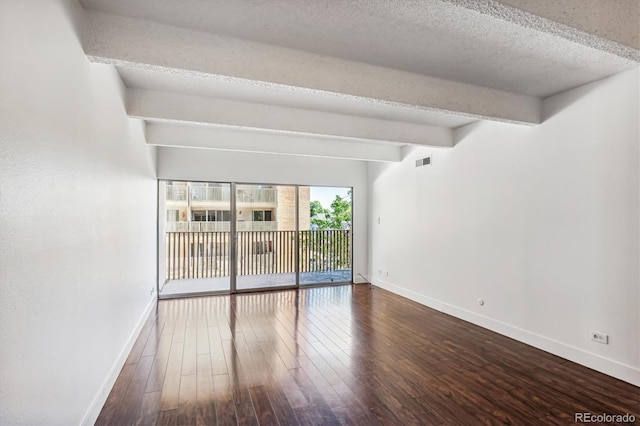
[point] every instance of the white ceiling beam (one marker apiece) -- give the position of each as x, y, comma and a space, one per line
130, 42
152, 105
270, 142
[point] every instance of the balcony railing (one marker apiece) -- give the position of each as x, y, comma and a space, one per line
206, 193
200, 193
219, 226
257, 196
325, 250
207, 254
176, 193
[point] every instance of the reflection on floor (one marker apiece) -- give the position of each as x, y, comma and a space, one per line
343, 355
244, 282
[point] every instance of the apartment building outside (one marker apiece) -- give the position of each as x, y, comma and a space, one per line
205, 207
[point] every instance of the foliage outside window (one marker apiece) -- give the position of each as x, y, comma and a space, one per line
336, 217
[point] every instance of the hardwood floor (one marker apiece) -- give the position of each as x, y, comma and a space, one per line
344, 355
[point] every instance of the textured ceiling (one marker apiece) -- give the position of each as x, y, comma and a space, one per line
455, 40
616, 20
338, 78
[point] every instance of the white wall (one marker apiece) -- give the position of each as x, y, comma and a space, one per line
78, 208
227, 166
541, 222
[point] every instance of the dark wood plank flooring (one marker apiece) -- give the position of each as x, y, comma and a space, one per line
344, 355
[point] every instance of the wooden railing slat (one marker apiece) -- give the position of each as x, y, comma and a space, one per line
206, 254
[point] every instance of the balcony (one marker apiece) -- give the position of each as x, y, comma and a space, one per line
200, 194
252, 196
220, 226
194, 255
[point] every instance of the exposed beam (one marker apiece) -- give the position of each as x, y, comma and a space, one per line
130, 42
163, 106
260, 141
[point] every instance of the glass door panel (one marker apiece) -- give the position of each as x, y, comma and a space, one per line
285, 235
266, 225
325, 235
194, 237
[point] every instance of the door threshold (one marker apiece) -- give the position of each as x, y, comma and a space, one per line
196, 294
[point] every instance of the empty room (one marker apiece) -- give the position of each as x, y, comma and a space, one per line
297, 212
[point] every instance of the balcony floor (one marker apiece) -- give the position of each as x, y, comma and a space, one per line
245, 282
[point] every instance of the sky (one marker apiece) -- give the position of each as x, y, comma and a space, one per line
326, 195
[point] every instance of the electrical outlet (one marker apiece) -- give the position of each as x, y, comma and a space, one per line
379, 271
386, 274
599, 337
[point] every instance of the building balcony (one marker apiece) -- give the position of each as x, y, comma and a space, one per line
220, 226
201, 195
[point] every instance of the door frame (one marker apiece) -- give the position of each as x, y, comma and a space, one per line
234, 256
233, 240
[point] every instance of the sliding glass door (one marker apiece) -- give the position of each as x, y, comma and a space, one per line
227, 237
194, 237
266, 225
325, 235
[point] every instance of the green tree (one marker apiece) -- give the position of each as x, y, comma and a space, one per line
329, 250
319, 216
340, 217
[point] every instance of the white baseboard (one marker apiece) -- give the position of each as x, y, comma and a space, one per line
98, 402
604, 365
